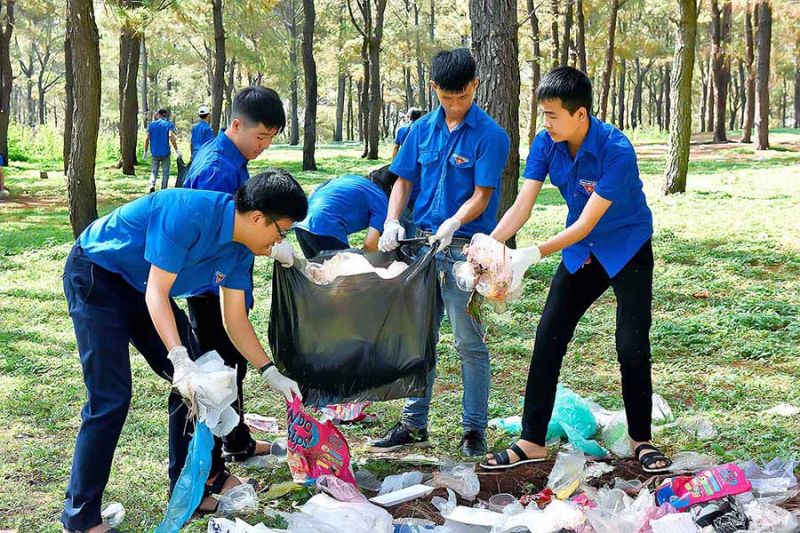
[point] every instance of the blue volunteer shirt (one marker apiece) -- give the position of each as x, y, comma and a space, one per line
605, 164
448, 165
402, 133
159, 131
188, 233
201, 134
345, 205
219, 166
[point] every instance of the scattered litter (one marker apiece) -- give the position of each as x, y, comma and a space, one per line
595, 470
557, 516
349, 264
662, 412
323, 514
498, 502
541, 499
774, 482
418, 459
616, 512
572, 418
784, 409
511, 425
690, 462
698, 427
476, 517
279, 490
615, 435
223, 525
655, 513
367, 480
460, 477
628, 485
445, 507
342, 413
401, 496
263, 424
113, 514
767, 517
413, 525
341, 490
712, 484
674, 523
567, 474
239, 499
400, 481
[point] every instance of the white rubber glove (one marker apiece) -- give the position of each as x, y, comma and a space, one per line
393, 233
444, 235
184, 367
280, 383
178, 154
145, 155
521, 261
283, 253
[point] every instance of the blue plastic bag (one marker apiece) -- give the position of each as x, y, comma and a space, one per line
188, 492
573, 419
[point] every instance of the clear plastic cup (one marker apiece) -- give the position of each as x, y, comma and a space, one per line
278, 448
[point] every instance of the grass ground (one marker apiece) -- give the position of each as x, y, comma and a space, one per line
725, 332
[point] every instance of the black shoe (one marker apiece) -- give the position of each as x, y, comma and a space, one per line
152, 190
473, 444
400, 437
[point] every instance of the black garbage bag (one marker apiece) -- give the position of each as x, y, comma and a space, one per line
183, 169
359, 338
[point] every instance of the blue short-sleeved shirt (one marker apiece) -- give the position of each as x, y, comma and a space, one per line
201, 134
345, 205
605, 164
159, 131
448, 165
219, 166
402, 133
188, 233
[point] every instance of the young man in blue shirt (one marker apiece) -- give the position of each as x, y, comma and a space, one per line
160, 134
607, 243
201, 132
120, 280
402, 132
257, 116
342, 206
457, 155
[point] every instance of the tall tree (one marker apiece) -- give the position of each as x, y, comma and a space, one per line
85, 53
69, 98
341, 79
720, 41
130, 46
750, 87
680, 131
421, 86
580, 39
554, 32
496, 47
621, 96
143, 85
797, 83
536, 66
218, 85
763, 10
6, 73
566, 37
609, 63
310, 72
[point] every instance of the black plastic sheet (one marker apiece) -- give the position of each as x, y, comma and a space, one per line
360, 337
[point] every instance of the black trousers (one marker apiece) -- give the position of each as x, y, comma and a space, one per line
312, 244
205, 316
570, 297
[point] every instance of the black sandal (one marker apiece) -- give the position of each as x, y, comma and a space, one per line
244, 455
502, 461
650, 458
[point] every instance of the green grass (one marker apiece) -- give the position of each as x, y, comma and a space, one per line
726, 357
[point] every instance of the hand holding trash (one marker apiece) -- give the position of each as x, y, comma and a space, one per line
444, 235
184, 367
393, 233
280, 383
283, 253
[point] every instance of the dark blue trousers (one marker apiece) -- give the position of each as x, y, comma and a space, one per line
108, 315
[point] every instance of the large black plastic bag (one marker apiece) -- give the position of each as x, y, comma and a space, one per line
360, 337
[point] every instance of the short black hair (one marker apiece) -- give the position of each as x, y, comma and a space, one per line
414, 113
383, 178
163, 112
275, 193
203, 115
453, 70
259, 105
568, 84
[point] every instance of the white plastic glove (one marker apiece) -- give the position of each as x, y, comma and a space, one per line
393, 232
444, 235
145, 155
522, 260
178, 154
283, 253
280, 383
184, 367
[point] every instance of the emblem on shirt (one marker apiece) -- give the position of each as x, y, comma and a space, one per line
460, 159
588, 186
219, 277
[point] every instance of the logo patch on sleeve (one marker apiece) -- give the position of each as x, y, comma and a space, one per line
588, 186
460, 159
219, 277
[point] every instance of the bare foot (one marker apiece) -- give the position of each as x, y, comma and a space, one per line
656, 465
262, 447
532, 450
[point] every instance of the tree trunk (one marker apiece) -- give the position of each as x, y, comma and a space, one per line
750, 87
609, 65
6, 74
69, 99
294, 119
763, 10
554, 30
721, 36
350, 132
375, 98
341, 87
144, 88
310, 71
704, 81
797, 84
408, 88
218, 86
621, 96
229, 83
742, 93
496, 49
711, 100
680, 131
433, 101
421, 86
130, 45
565, 39
85, 46
361, 110
536, 66
580, 40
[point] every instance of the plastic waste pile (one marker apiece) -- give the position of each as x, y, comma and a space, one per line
349, 264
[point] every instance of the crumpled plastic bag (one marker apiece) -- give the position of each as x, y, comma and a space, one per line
341, 490
445, 507
674, 523
572, 418
712, 484
346, 412
773, 482
511, 424
239, 499
367, 480
555, 517
315, 449
655, 513
325, 514
616, 512
400, 481
615, 435
567, 474
223, 525
690, 462
349, 264
770, 518
460, 477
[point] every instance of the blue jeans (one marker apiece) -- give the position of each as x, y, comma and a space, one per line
163, 164
468, 334
108, 314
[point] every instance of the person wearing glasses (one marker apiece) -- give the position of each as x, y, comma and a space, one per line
257, 117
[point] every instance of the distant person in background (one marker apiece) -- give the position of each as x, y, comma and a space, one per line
160, 134
201, 132
407, 219
402, 132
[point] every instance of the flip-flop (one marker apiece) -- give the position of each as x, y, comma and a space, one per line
650, 458
503, 462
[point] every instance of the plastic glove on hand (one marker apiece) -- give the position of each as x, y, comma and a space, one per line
444, 235
283, 253
281, 384
183, 367
523, 259
393, 233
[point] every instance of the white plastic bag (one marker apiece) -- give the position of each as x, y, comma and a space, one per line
239, 499
616, 512
556, 516
460, 477
340, 517
770, 518
223, 525
567, 474
400, 481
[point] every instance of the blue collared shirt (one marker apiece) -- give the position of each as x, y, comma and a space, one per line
201, 134
159, 131
345, 205
220, 166
188, 233
449, 165
605, 164
402, 133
